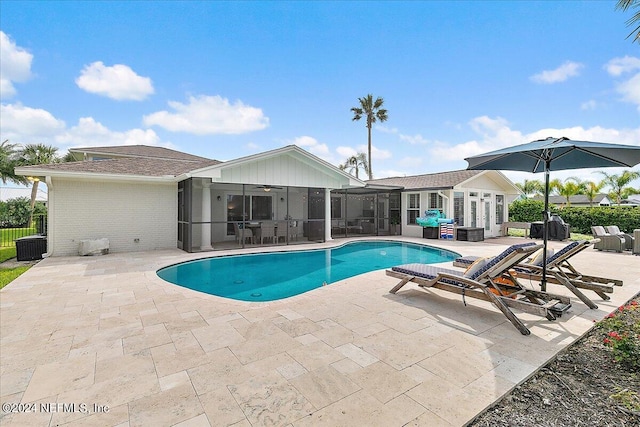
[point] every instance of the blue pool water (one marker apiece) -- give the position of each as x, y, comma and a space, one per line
273, 276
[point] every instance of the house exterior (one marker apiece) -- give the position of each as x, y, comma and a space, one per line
145, 198
478, 199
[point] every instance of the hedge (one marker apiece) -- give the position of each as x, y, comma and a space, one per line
579, 218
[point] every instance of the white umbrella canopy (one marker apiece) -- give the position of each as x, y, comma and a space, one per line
553, 154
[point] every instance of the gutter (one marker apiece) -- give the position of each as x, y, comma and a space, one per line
50, 219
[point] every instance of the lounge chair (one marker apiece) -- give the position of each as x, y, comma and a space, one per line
487, 283
608, 242
615, 231
561, 272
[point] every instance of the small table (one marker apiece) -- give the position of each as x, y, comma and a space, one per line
470, 234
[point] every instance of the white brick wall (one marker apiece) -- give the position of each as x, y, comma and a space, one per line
119, 211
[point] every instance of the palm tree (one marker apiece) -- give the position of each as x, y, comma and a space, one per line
37, 154
635, 19
571, 187
591, 190
531, 187
617, 183
354, 163
8, 159
555, 186
373, 111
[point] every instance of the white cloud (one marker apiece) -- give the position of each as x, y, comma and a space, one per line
117, 82
560, 74
414, 139
15, 65
313, 146
209, 115
589, 105
619, 66
346, 152
88, 132
25, 125
630, 90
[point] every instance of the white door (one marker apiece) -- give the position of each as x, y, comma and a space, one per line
474, 212
487, 209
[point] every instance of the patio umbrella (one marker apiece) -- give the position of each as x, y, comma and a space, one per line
554, 154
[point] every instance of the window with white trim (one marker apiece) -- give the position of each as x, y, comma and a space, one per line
413, 208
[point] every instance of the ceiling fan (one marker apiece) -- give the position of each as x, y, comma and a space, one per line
268, 188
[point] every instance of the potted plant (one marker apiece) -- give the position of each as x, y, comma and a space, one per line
394, 227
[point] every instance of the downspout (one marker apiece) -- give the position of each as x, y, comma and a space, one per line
50, 219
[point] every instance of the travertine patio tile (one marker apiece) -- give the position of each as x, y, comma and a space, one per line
15, 381
370, 329
270, 399
220, 407
334, 334
298, 327
54, 378
166, 407
98, 416
222, 370
126, 367
382, 381
261, 347
174, 380
217, 336
460, 367
324, 386
346, 366
514, 370
307, 339
357, 354
290, 314
315, 355
199, 421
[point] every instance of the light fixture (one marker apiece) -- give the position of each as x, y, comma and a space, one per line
218, 198
282, 199
267, 189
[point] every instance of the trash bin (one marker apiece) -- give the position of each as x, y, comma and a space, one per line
31, 248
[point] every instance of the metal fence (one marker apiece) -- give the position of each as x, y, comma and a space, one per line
8, 236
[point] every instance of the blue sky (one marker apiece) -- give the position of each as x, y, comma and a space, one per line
226, 80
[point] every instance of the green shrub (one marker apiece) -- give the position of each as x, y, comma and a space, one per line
15, 212
579, 218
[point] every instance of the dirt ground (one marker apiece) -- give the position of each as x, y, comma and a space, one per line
583, 386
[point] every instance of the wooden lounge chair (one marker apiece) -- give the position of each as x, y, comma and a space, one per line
487, 283
560, 271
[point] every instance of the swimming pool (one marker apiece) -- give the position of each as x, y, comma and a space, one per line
277, 275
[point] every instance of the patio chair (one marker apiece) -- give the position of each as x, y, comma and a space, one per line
268, 232
242, 234
281, 230
628, 239
608, 242
488, 283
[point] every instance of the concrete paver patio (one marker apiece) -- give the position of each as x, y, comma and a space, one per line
104, 341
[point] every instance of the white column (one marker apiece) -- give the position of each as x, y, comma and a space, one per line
206, 217
327, 214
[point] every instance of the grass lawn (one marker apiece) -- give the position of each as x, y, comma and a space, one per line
7, 253
7, 275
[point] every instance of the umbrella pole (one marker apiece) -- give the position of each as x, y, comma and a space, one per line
543, 283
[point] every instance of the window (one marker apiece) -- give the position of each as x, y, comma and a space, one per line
435, 201
336, 207
458, 208
413, 207
257, 208
499, 209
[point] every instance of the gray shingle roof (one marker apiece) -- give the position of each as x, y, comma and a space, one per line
140, 151
440, 180
575, 199
128, 166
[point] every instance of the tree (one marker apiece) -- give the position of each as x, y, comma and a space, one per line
354, 163
531, 187
617, 183
571, 187
37, 154
8, 160
624, 5
591, 190
373, 111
